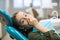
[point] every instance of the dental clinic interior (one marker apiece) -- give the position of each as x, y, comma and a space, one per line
46, 10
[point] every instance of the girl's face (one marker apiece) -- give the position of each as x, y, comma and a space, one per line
23, 18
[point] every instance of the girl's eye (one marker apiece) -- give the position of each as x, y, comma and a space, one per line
22, 21
25, 15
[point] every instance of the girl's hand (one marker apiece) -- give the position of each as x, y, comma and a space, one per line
31, 20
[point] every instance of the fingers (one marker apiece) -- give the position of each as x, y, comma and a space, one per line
31, 20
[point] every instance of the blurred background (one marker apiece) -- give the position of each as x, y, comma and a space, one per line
44, 8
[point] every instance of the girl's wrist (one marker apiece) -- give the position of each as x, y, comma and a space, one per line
35, 22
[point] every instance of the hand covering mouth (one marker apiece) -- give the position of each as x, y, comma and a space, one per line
28, 21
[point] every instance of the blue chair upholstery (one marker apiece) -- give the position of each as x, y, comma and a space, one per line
7, 16
11, 30
14, 32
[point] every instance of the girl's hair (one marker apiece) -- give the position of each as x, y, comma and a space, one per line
20, 27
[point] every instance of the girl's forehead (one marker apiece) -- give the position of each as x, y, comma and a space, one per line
19, 15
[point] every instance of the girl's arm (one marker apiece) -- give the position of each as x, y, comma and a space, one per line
39, 27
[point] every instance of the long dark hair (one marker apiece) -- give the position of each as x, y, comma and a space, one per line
20, 27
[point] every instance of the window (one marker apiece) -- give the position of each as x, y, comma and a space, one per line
46, 4
36, 3
27, 3
18, 3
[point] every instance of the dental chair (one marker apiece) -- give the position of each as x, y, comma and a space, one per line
7, 20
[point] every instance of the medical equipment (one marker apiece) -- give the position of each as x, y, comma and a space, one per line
54, 14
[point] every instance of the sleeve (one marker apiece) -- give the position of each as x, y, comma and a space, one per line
51, 35
35, 36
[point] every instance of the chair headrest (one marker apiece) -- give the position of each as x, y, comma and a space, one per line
7, 16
